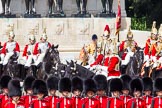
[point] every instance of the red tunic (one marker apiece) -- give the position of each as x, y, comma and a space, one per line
157, 102
98, 60
148, 100
147, 47
3, 99
106, 61
28, 48
90, 103
76, 102
40, 103
36, 48
111, 63
52, 101
125, 99
138, 103
27, 100
10, 104
103, 101
66, 103
150, 47
15, 49
116, 103
121, 47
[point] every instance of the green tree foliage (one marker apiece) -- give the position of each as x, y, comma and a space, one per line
144, 12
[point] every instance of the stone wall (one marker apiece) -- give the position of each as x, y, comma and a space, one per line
93, 6
69, 33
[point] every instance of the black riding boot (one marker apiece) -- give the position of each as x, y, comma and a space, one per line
84, 6
78, 6
8, 7
104, 6
50, 3
4, 68
3, 6
1, 67
35, 71
27, 6
110, 5
123, 69
146, 69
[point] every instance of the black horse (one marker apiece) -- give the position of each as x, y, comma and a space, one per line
135, 64
74, 69
58, 70
50, 60
12, 68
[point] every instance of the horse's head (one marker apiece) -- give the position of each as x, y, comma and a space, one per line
54, 54
72, 68
58, 70
139, 55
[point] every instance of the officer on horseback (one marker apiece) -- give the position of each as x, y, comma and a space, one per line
150, 47
109, 60
10, 48
127, 47
28, 50
158, 49
41, 48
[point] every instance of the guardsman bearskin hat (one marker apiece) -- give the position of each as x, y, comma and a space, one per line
157, 85
39, 86
115, 84
94, 37
4, 81
28, 82
136, 85
14, 88
101, 82
90, 85
106, 31
147, 83
64, 85
52, 83
77, 84
126, 81
129, 34
154, 30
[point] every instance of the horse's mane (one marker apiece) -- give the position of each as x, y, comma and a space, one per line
47, 57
